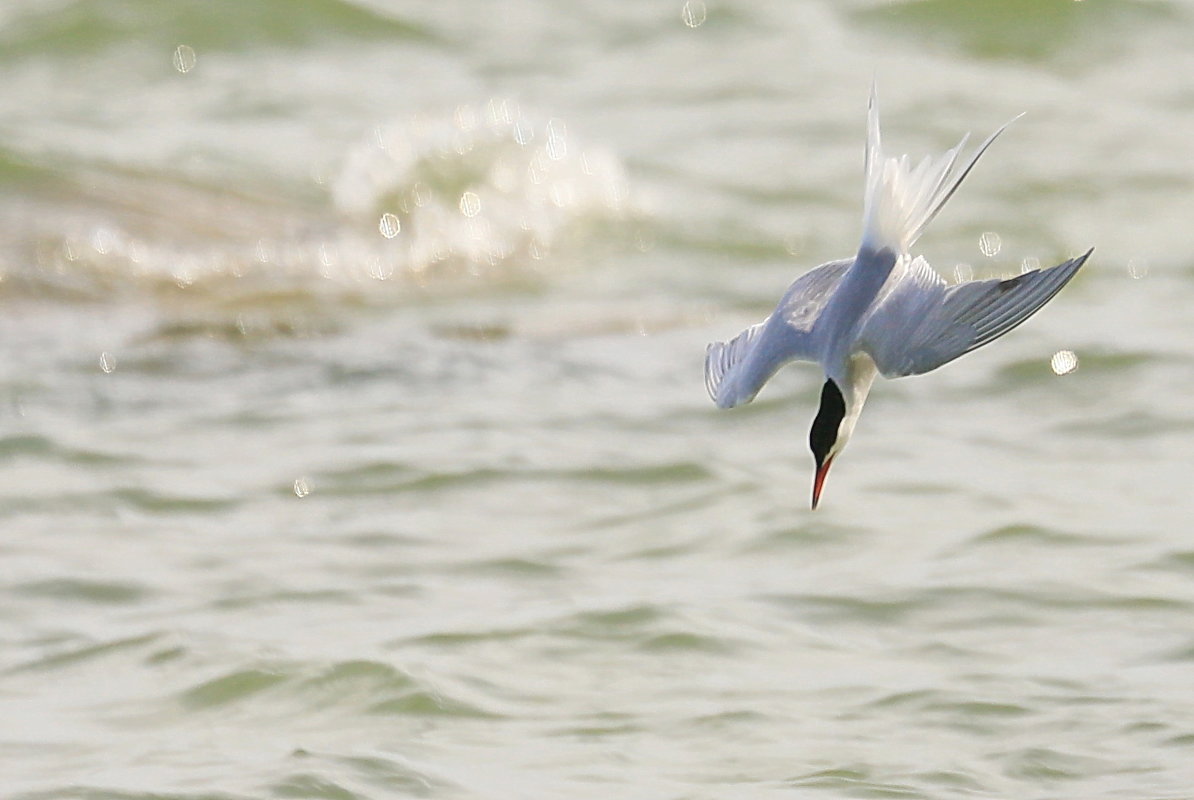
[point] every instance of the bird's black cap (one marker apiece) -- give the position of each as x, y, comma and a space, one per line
828, 420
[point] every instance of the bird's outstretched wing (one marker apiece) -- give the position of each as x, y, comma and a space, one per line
922, 323
736, 370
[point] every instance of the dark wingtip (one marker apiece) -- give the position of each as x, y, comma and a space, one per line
1074, 264
1080, 260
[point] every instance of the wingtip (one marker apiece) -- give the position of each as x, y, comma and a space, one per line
1079, 261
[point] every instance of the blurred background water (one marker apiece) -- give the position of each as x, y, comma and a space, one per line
353, 441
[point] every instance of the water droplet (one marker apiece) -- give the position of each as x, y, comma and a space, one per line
381, 269
1063, 362
301, 487
694, 13
1029, 264
462, 144
563, 194
465, 118
184, 58
794, 244
420, 195
498, 112
963, 273
644, 240
524, 134
557, 143
470, 204
107, 362
102, 241
990, 244
389, 225
537, 169
1137, 268
327, 255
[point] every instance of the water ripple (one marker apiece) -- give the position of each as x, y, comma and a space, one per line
86, 590
363, 687
1037, 764
79, 655
960, 602
313, 787
76, 792
43, 447
391, 478
1019, 535
230, 688
855, 781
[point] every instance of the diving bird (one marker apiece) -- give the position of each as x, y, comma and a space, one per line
882, 311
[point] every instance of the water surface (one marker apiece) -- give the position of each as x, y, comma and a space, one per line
353, 441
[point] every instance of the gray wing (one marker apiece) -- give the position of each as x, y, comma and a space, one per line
736, 370
923, 323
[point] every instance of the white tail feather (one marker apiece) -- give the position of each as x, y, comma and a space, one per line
901, 200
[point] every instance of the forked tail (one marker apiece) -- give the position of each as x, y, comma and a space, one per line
902, 199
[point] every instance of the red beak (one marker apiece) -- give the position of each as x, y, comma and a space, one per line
819, 481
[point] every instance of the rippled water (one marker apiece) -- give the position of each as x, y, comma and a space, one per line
353, 441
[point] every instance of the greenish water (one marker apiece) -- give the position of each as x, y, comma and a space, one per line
353, 440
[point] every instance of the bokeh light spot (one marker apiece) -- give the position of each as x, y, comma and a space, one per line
524, 134
470, 204
389, 225
184, 58
694, 13
990, 244
381, 269
1063, 362
557, 143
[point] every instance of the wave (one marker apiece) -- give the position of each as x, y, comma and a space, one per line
366, 687
477, 188
83, 27
477, 193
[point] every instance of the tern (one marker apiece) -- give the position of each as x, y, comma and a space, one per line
882, 311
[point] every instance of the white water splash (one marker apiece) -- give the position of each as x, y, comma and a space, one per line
479, 187
479, 192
